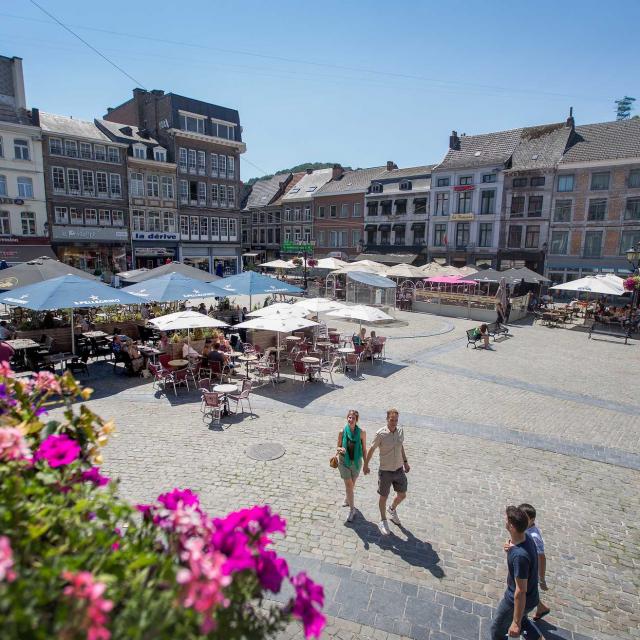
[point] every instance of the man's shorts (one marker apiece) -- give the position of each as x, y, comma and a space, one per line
397, 478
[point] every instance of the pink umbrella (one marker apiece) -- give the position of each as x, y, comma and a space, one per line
449, 280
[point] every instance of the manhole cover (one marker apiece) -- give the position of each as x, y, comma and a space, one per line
266, 451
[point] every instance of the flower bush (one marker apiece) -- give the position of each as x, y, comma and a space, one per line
631, 283
77, 561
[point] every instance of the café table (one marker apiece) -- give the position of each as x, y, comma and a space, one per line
247, 358
343, 351
58, 358
178, 364
95, 334
23, 344
150, 353
314, 365
223, 390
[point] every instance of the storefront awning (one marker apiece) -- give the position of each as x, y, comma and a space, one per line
398, 226
401, 200
384, 227
370, 227
418, 225
16, 253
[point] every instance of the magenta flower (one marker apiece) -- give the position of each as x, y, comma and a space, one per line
5, 370
172, 499
13, 446
93, 475
308, 594
58, 451
271, 570
88, 594
6, 560
45, 381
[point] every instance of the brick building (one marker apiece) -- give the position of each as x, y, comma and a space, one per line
205, 142
339, 208
87, 198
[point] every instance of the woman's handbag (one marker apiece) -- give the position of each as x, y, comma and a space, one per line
333, 462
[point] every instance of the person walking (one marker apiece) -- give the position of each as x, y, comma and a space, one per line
351, 451
521, 596
392, 470
500, 314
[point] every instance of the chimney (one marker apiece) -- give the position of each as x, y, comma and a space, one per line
571, 123
454, 141
336, 172
391, 165
309, 171
157, 92
139, 92
109, 110
35, 117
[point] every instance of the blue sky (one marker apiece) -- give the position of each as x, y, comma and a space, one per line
356, 82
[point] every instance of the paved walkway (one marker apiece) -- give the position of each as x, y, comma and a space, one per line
549, 417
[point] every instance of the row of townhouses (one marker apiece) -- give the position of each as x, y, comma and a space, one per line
157, 178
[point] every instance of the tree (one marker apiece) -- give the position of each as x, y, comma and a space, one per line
624, 107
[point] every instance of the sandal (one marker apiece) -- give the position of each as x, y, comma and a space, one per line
537, 617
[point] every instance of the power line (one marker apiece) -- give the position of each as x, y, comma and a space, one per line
73, 33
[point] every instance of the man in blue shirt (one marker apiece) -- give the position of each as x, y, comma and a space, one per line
521, 595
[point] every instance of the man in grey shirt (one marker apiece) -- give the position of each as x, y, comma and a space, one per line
393, 469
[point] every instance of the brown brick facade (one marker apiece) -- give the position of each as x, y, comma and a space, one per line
330, 232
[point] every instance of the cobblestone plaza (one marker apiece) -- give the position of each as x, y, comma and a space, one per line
547, 417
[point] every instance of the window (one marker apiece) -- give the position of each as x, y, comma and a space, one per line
5, 225
600, 181
489, 177
231, 163
376, 188
535, 206
202, 193
60, 215
401, 206
562, 212
320, 212
1, 148
193, 192
231, 196
632, 210
420, 205
159, 154
487, 201
153, 187
184, 226
223, 195
462, 235
464, 202
114, 154
269, 236
597, 209
117, 218
517, 206
104, 218
191, 123
136, 182
384, 234
463, 180
538, 181
71, 148
73, 180
356, 237
518, 183
628, 240
184, 191
202, 163
192, 159
442, 203
215, 229
140, 151
194, 226
222, 166
214, 195
90, 217
115, 185
21, 151
233, 229
75, 215
405, 185
565, 183
532, 237
633, 182
333, 211
344, 210
372, 208
25, 188
182, 159
168, 222
204, 228
515, 236
559, 242
57, 174
101, 184
399, 234
320, 238
167, 188
3, 185
28, 221
386, 207
100, 152
153, 221
224, 228
443, 182
485, 234
85, 151
88, 187
55, 146
214, 165
593, 244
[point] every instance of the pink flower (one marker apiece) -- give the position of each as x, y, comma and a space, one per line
93, 475
58, 451
5, 370
271, 570
13, 446
173, 498
6, 560
308, 594
88, 593
46, 381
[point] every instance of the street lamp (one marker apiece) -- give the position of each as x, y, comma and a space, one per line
633, 257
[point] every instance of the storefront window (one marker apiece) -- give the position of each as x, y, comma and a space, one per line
95, 257
198, 262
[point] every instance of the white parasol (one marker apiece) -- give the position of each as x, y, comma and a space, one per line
277, 307
593, 284
362, 313
317, 305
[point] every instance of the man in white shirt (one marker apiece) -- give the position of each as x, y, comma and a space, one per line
392, 471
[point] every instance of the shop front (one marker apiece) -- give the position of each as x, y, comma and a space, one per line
225, 260
153, 249
17, 249
219, 260
96, 249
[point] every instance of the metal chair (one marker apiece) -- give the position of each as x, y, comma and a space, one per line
160, 376
301, 370
180, 377
352, 360
239, 398
211, 405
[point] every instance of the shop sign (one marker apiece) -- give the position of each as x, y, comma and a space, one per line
462, 217
154, 235
59, 232
154, 251
296, 247
464, 187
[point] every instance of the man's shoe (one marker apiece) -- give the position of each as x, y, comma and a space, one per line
383, 525
352, 514
345, 503
393, 516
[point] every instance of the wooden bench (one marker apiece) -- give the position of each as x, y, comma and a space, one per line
472, 338
494, 329
609, 329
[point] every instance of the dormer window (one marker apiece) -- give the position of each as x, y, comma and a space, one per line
376, 188
405, 185
159, 154
140, 151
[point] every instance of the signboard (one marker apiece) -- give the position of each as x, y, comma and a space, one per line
464, 187
462, 217
296, 247
154, 235
88, 234
155, 251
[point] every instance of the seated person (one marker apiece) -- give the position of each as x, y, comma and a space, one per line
5, 331
85, 325
373, 338
215, 355
206, 350
236, 343
482, 332
6, 352
358, 339
202, 308
188, 352
117, 343
164, 341
137, 361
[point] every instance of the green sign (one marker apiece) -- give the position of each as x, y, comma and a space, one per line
294, 247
